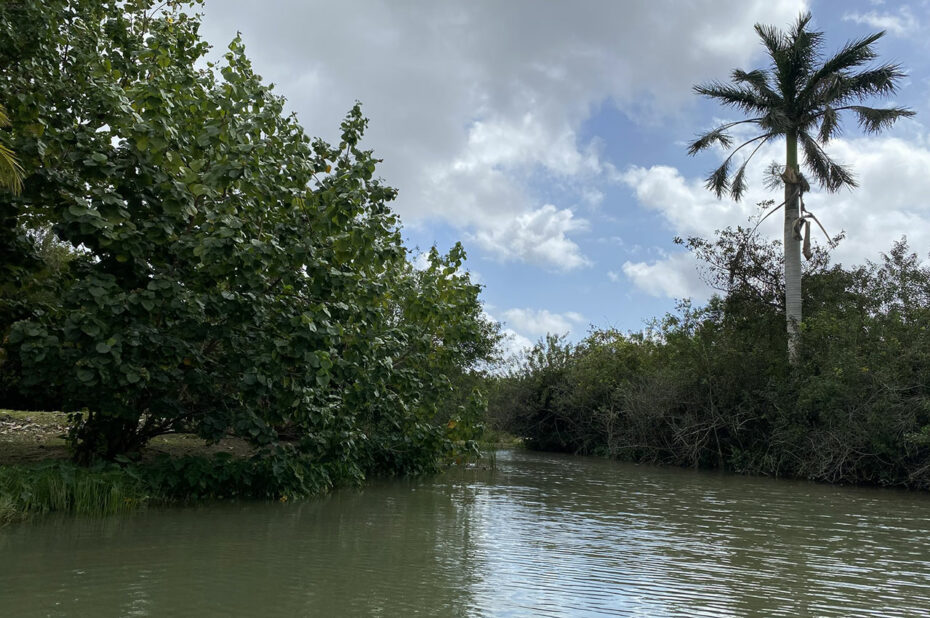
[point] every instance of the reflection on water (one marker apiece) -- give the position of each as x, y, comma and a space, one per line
542, 535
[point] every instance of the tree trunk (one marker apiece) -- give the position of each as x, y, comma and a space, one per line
792, 250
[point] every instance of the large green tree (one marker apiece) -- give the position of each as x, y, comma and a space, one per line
800, 97
238, 276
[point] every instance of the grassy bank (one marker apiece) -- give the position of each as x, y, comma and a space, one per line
37, 477
60, 486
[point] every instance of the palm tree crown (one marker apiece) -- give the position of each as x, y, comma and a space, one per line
800, 96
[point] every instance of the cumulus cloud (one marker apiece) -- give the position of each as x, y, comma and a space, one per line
539, 322
675, 276
901, 23
537, 237
892, 200
592, 197
686, 205
465, 106
513, 344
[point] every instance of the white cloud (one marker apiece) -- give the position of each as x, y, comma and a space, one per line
901, 23
469, 99
685, 204
525, 141
513, 343
675, 276
592, 197
538, 323
421, 261
892, 200
538, 237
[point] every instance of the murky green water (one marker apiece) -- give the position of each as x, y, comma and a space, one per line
542, 535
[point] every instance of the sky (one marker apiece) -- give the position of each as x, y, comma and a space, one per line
550, 138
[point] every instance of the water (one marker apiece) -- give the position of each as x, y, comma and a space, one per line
542, 535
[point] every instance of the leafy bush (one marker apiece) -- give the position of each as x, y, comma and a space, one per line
230, 275
711, 386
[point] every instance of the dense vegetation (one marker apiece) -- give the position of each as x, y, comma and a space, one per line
184, 258
710, 386
178, 256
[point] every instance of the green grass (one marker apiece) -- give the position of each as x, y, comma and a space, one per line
493, 439
60, 486
36, 476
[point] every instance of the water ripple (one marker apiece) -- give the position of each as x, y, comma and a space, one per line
541, 535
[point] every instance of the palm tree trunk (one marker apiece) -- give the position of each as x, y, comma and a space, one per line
792, 249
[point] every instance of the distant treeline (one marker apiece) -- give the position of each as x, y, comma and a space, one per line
712, 386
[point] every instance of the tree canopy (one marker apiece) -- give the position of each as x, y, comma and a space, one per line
228, 273
801, 96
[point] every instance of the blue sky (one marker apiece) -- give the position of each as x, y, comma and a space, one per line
549, 136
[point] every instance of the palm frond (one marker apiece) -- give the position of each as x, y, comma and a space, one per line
872, 120
829, 125
738, 184
719, 181
772, 38
776, 121
744, 99
773, 176
881, 81
714, 136
758, 80
804, 48
779, 47
11, 172
828, 173
719, 135
800, 26
854, 54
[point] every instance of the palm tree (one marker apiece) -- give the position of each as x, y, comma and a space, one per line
11, 174
800, 97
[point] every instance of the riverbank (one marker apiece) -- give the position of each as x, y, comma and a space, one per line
30, 437
37, 476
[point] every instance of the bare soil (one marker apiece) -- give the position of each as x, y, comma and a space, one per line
27, 437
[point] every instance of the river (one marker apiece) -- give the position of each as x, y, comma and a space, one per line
539, 535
